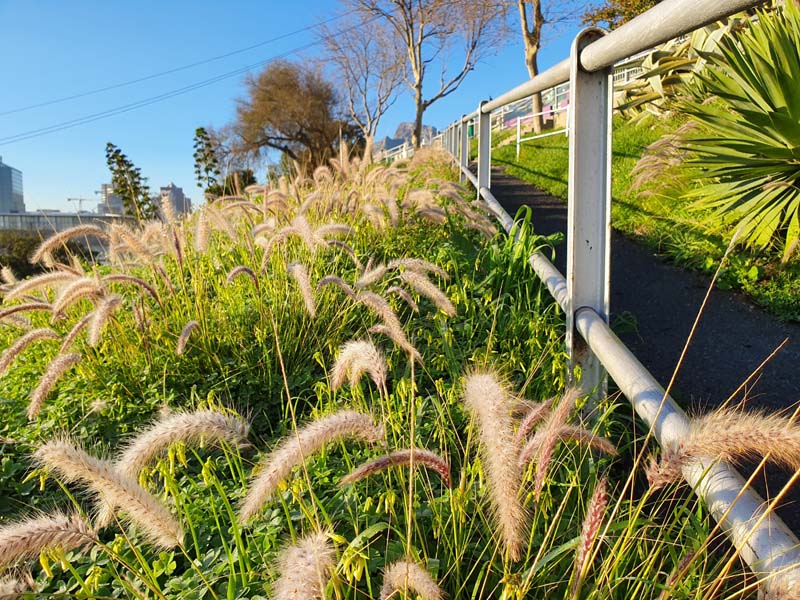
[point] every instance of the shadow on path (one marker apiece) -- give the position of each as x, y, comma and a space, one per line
733, 337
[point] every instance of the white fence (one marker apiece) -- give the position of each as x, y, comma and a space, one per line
761, 538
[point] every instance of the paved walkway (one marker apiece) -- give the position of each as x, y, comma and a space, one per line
733, 338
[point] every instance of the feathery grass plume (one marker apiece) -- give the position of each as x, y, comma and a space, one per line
17, 321
25, 307
12, 587
534, 415
301, 227
405, 576
202, 232
134, 244
381, 307
220, 223
298, 446
729, 435
100, 317
355, 358
75, 331
305, 569
375, 215
183, 338
427, 288
242, 270
488, 404
372, 276
776, 587
566, 433
57, 367
199, 426
400, 340
338, 281
80, 288
348, 250
268, 226
26, 539
591, 526
140, 507
300, 274
44, 251
38, 282
137, 281
433, 214
544, 443
8, 276
309, 201
426, 458
391, 207
44, 333
403, 293
419, 265
322, 174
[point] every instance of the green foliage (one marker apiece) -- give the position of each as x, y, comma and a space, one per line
129, 185
748, 151
614, 13
206, 165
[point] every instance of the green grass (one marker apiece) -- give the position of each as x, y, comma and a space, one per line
257, 351
660, 218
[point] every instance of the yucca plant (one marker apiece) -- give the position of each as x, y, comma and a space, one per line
748, 147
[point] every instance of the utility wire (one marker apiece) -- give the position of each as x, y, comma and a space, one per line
26, 135
172, 71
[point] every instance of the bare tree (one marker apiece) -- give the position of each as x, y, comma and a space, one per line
371, 66
534, 15
438, 34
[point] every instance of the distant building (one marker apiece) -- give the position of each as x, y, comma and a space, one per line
11, 198
181, 205
110, 203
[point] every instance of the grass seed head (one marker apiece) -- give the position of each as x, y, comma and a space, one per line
101, 316
427, 288
300, 274
407, 576
305, 569
183, 338
426, 458
26, 539
35, 335
298, 446
355, 358
57, 367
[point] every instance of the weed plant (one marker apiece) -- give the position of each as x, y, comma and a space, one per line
384, 348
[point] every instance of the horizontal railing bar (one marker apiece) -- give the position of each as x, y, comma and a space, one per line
665, 21
769, 547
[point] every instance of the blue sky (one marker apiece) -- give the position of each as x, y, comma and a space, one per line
51, 49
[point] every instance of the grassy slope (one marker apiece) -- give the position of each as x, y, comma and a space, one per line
660, 218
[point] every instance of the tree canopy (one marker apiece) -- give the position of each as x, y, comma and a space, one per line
614, 13
292, 109
129, 185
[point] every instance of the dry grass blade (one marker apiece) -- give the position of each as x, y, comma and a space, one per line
406, 576
22, 343
426, 458
57, 367
490, 409
140, 507
305, 569
298, 446
26, 539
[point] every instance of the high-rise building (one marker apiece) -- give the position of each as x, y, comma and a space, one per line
11, 198
171, 193
110, 203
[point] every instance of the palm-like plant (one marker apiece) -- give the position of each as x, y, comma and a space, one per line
749, 148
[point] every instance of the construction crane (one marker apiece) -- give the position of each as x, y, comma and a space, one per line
80, 202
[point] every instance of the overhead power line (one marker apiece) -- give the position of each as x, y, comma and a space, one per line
33, 133
174, 70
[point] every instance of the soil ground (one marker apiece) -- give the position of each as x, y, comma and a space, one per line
653, 306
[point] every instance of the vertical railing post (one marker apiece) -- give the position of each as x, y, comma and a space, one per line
484, 149
464, 152
589, 207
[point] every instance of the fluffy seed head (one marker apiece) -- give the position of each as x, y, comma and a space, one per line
338, 281
405, 296
183, 338
534, 416
242, 270
372, 276
305, 569
101, 315
100, 476
26, 539
22, 343
11, 310
38, 282
425, 458
82, 287
300, 274
426, 287
488, 404
57, 367
298, 446
400, 340
591, 525
407, 576
419, 265
355, 358
44, 252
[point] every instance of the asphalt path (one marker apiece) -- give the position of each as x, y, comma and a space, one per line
653, 307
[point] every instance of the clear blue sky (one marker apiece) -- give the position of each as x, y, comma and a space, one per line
50, 49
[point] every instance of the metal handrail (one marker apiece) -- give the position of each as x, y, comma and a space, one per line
762, 540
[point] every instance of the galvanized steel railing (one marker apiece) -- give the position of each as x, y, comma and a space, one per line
762, 539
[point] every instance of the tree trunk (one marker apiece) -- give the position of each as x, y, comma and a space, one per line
369, 142
532, 63
416, 136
